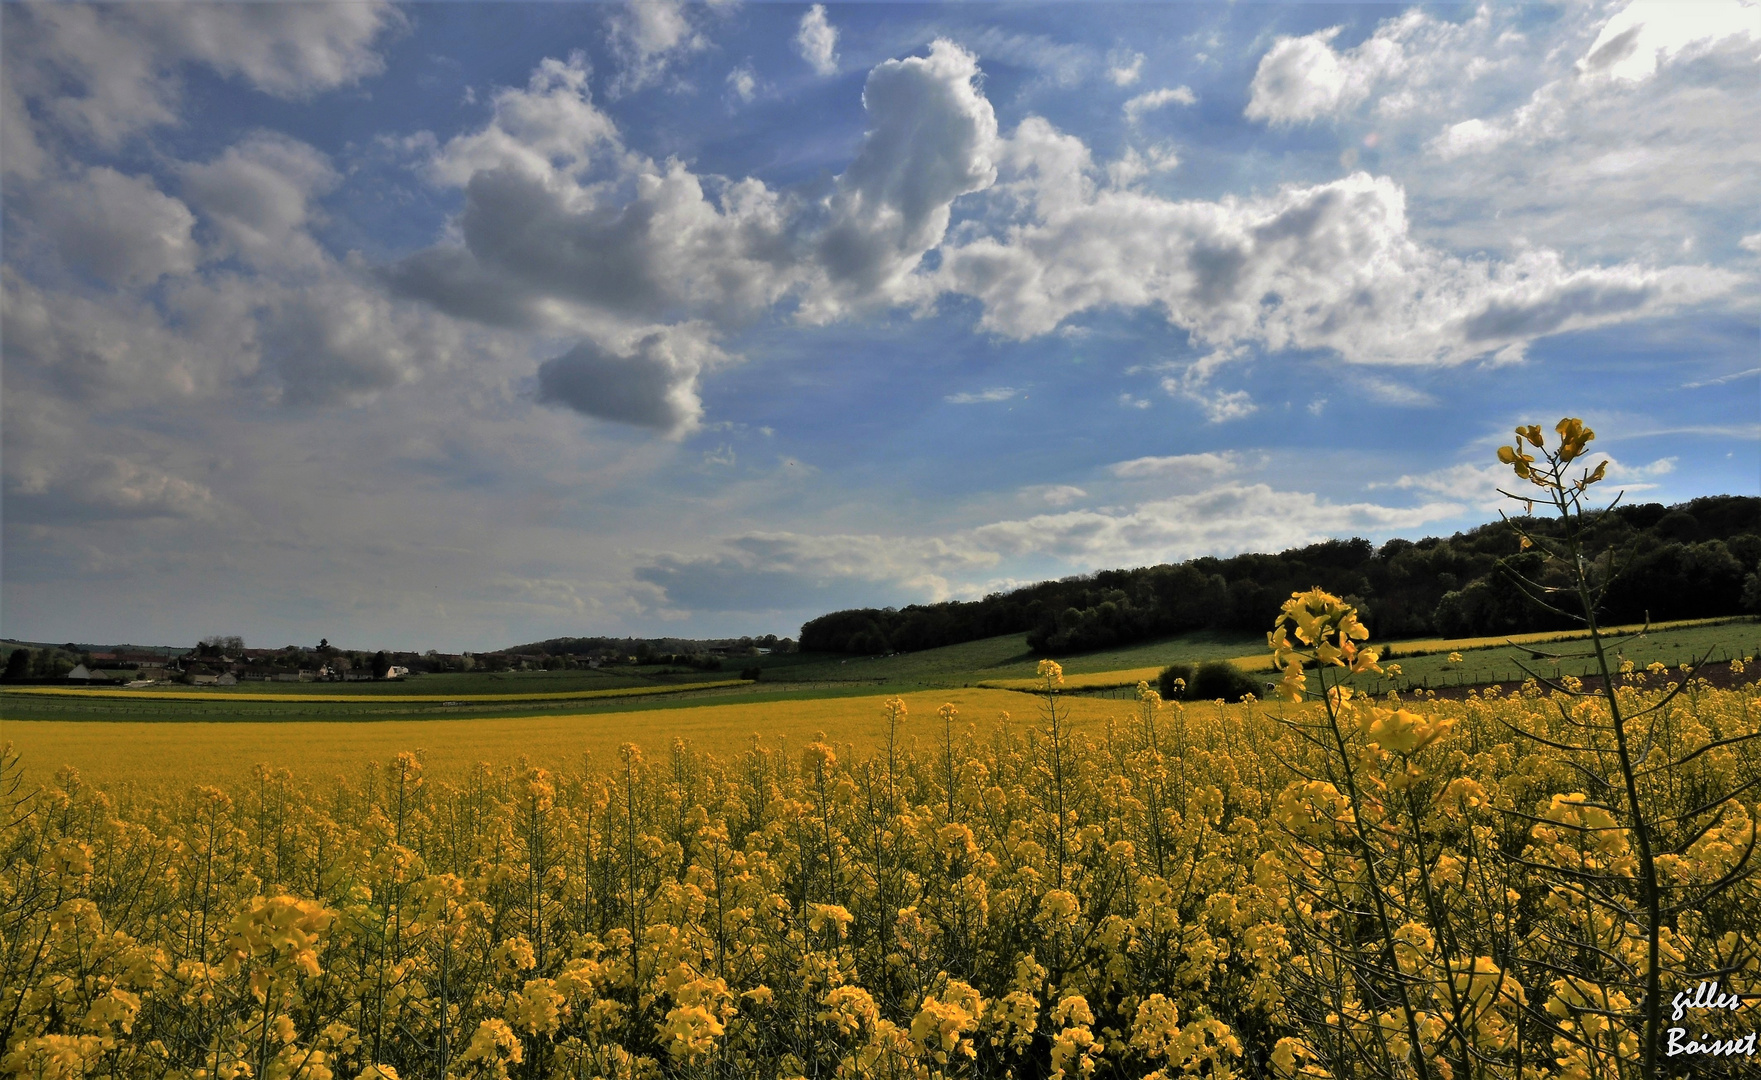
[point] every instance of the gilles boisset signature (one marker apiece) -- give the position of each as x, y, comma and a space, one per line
1706, 996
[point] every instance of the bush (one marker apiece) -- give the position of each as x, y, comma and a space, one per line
1165, 681
751, 673
1220, 679
1205, 682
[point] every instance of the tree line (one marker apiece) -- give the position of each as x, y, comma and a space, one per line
1696, 559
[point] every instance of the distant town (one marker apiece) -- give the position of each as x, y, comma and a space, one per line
226, 661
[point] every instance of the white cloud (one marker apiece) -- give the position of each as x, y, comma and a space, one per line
816, 39
1053, 494
1390, 392
551, 130
1330, 266
108, 72
648, 37
1751, 242
1124, 66
1157, 99
1475, 485
743, 82
1209, 464
930, 139
1608, 132
566, 231
979, 397
782, 570
122, 229
1478, 485
545, 245
1646, 34
1134, 165
1722, 379
1304, 78
258, 196
1221, 520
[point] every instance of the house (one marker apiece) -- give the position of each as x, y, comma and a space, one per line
204, 680
226, 679
80, 674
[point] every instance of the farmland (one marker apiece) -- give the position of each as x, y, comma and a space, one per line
1002, 663
813, 874
912, 898
135, 754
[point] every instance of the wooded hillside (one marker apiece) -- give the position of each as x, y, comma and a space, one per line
1692, 560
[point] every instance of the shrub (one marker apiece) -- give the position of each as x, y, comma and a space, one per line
752, 673
1220, 679
1180, 672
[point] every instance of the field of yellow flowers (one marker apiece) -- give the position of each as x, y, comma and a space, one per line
1185, 891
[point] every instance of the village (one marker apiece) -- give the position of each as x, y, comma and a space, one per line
225, 661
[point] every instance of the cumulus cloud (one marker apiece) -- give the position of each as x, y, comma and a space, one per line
1646, 34
121, 229
1124, 66
1157, 99
551, 130
1304, 78
929, 141
1328, 266
543, 245
333, 342
650, 381
109, 72
564, 230
103, 487
1614, 129
648, 37
743, 82
258, 198
1208, 465
816, 39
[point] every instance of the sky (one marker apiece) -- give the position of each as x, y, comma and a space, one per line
461, 325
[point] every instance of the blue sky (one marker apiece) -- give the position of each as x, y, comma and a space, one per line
455, 325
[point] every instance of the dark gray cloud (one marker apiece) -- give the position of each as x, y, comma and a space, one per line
652, 383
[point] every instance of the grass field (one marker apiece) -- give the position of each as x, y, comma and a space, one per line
225, 753
1425, 663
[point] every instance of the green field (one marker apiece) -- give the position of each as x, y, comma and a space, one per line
999, 661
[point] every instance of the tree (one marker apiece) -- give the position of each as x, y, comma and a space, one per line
18, 665
381, 664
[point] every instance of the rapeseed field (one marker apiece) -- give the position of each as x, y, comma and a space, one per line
1552, 884
151, 754
1179, 891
